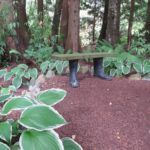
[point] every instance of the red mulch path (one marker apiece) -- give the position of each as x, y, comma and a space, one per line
106, 115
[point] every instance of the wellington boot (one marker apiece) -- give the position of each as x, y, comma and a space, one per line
73, 66
99, 70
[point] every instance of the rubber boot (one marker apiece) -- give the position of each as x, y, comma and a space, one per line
73, 66
99, 70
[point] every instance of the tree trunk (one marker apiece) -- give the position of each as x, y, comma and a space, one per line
147, 25
113, 24
56, 18
23, 31
40, 10
94, 20
104, 25
130, 23
70, 23
7, 6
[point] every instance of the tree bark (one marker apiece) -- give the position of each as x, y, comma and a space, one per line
113, 24
23, 31
130, 23
104, 24
70, 23
94, 21
7, 5
56, 18
40, 10
147, 25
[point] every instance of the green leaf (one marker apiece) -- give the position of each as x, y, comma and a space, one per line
8, 76
44, 66
12, 88
70, 144
5, 91
65, 64
20, 72
107, 62
59, 67
119, 64
146, 68
113, 72
27, 75
23, 66
15, 70
5, 131
17, 81
126, 70
15, 146
2, 72
41, 117
16, 103
33, 73
3, 98
51, 97
53, 65
14, 51
45, 140
4, 146
138, 67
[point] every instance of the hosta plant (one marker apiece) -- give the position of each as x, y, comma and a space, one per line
35, 128
18, 74
125, 63
59, 66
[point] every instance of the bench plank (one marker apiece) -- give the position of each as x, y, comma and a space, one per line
77, 56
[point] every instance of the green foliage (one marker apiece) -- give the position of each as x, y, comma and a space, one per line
35, 130
7, 28
19, 75
39, 48
126, 62
140, 48
57, 65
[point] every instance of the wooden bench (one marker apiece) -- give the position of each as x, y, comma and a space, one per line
78, 56
73, 64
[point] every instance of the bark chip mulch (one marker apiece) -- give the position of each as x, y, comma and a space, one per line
106, 115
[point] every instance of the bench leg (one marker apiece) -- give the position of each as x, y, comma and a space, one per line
73, 66
99, 70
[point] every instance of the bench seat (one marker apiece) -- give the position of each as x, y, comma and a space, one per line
77, 56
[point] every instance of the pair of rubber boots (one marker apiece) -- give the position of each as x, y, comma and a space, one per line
98, 71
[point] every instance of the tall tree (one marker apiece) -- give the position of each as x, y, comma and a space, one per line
40, 10
70, 24
147, 25
94, 19
23, 31
113, 21
6, 18
56, 18
104, 23
130, 23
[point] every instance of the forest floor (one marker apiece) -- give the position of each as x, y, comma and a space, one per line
105, 115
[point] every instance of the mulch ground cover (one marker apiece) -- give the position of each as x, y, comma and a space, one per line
106, 115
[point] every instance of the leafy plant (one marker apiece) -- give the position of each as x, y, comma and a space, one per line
34, 130
126, 62
140, 48
18, 74
51, 65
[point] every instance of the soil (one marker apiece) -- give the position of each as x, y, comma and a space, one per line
105, 115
